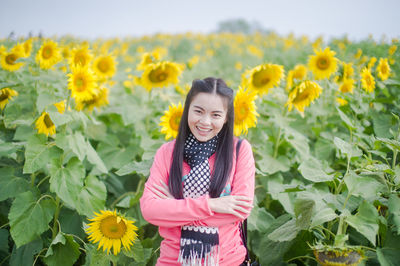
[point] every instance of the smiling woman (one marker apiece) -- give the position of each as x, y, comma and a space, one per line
195, 193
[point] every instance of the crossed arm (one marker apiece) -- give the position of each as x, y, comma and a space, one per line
159, 207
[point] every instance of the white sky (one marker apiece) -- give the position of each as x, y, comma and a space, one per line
110, 18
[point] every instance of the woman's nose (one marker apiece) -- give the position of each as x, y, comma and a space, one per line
205, 119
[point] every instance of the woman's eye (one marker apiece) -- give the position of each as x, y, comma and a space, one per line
197, 111
217, 115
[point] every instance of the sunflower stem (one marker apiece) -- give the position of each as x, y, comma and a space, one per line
120, 198
55, 225
277, 142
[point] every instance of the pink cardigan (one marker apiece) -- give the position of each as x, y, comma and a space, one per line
170, 214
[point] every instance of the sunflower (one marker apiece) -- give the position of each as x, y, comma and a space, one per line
161, 74
45, 125
245, 111
262, 78
371, 62
299, 72
8, 59
367, 80
27, 47
392, 49
82, 83
80, 56
60, 106
48, 55
341, 101
383, 69
323, 64
347, 86
348, 70
302, 95
147, 59
6, 94
111, 229
104, 66
170, 121
100, 98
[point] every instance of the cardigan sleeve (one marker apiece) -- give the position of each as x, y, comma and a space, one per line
242, 184
169, 212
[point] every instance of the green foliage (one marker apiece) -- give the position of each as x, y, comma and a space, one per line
329, 177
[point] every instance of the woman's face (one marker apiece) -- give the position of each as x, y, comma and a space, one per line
207, 115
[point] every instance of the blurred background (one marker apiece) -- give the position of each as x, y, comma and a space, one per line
92, 19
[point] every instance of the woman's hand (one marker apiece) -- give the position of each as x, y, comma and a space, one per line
236, 205
161, 191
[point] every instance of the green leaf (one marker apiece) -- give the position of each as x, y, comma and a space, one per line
92, 197
262, 245
140, 254
4, 240
67, 181
381, 123
25, 255
345, 119
394, 210
288, 231
77, 144
36, 153
298, 141
23, 133
8, 149
303, 209
259, 220
346, 148
269, 165
95, 257
142, 168
63, 251
29, 217
59, 119
311, 169
365, 221
322, 216
364, 186
94, 158
44, 99
116, 157
10, 185
388, 256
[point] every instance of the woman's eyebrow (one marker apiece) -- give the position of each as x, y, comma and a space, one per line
201, 108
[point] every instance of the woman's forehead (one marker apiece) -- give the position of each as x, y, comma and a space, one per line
209, 101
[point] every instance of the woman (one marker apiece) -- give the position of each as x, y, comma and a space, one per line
199, 190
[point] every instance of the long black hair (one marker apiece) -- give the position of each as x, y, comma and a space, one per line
224, 151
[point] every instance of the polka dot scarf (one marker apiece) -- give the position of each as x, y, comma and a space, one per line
198, 242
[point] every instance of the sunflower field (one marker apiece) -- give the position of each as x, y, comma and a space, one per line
82, 119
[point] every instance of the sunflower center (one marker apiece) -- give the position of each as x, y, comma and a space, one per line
368, 80
302, 96
323, 63
174, 121
47, 52
80, 59
260, 79
103, 66
242, 113
112, 228
384, 69
3, 96
157, 76
10, 59
47, 121
80, 84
